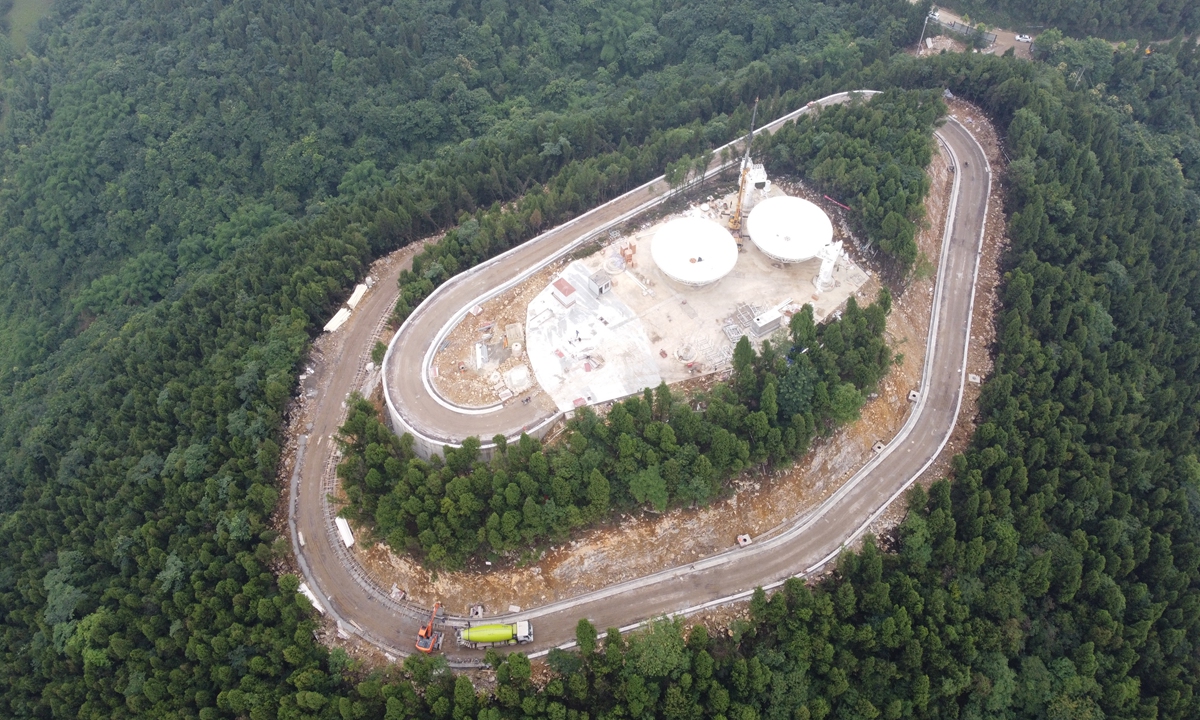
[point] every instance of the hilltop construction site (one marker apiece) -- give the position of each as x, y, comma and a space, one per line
652, 296
663, 299
633, 545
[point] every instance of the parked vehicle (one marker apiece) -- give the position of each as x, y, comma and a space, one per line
1024, 38
496, 634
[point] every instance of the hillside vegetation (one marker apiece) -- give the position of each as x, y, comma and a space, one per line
144, 143
188, 191
197, 155
1116, 19
650, 451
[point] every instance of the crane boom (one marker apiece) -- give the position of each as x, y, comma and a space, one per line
735, 220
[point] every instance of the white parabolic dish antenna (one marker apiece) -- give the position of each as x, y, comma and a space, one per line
789, 229
694, 251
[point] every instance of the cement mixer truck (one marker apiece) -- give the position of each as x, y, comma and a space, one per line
497, 634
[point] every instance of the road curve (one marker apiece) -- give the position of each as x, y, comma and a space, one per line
415, 406
806, 544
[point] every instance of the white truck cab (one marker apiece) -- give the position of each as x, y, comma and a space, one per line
524, 631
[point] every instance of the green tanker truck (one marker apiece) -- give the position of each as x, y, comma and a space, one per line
498, 634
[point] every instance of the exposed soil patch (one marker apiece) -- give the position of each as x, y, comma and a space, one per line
456, 372
941, 43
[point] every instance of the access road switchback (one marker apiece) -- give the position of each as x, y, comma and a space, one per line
361, 608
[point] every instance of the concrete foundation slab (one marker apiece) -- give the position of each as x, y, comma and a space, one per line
594, 350
517, 379
648, 328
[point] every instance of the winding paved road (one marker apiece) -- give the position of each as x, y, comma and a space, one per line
363, 609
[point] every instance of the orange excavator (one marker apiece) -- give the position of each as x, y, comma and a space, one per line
429, 639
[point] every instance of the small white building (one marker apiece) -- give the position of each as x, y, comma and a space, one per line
767, 323
563, 292
599, 282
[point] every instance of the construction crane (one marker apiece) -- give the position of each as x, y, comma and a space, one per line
429, 639
735, 220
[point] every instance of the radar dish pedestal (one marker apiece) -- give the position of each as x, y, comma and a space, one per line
829, 256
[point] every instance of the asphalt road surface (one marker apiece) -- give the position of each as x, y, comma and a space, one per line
365, 610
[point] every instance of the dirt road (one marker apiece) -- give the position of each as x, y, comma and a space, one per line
367, 611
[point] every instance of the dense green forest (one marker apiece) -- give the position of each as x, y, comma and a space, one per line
1161, 91
202, 158
871, 155
654, 450
1056, 575
143, 143
1117, 19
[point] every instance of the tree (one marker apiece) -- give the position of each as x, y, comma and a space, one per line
597, 494
662, 402
659, 650
744, 378
648, 486
464, 698
844, 403
585, 637
697, 486
803, 328
767, 403
796, 388
677, 173
533, 524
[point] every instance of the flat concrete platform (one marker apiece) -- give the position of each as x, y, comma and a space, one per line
593, 351
647, 328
